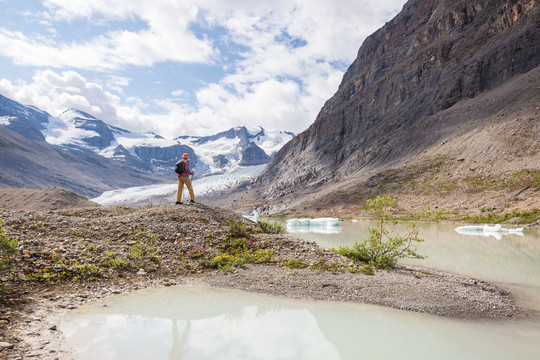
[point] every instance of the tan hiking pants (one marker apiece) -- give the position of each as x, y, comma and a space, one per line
181, 181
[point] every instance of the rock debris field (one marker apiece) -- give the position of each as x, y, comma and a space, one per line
69, 257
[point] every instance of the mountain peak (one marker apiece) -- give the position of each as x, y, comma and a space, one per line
73, 113
38, 118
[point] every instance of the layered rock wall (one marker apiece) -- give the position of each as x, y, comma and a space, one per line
433, 54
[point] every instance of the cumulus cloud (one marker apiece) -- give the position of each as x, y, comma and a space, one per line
167, 37
290, 58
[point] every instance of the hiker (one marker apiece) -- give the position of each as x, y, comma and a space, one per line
182, 169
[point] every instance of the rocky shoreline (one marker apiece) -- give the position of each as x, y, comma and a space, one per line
70, 257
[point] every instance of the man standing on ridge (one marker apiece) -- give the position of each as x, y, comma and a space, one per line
182, 169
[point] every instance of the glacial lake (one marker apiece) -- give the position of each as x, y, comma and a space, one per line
185, 322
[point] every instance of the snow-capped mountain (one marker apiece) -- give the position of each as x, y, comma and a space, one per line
23, 119
75, 128
147, 151
238, 146
30, 114
209, 154
80, 133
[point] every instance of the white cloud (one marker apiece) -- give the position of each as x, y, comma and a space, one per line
280, 80
118, 83
167, 37
55, 93
178, 93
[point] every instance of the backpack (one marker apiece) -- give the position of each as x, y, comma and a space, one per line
179, 167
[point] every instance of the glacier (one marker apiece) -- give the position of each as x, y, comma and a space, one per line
166, 193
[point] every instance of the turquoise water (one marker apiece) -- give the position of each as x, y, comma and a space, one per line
186, 322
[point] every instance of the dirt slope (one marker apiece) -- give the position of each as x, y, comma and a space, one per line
41, 200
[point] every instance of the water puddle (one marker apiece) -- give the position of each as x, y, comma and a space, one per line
187, 322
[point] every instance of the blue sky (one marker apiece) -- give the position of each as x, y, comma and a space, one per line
184, 67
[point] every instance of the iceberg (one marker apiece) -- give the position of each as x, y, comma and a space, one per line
487, 228
496, 230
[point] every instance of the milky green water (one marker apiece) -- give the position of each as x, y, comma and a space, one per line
510, 259
201, 323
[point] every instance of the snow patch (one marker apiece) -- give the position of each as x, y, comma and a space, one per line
6, 120
63, 131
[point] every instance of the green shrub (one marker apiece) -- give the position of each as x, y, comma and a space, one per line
145, 247
88, 271
271, 228
368, 270
236, 245
237, 229
381, 249
322, 265
295, 264
227, 261
261, 256
111, 260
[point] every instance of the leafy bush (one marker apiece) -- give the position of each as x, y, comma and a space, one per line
237, 229
496, 218
271, 228
111, 260
237, 245
8, 249
144, 248
381, 249
226, 261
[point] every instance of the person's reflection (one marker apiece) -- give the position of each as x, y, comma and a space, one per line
179, 348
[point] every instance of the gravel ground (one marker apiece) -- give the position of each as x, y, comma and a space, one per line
70, 257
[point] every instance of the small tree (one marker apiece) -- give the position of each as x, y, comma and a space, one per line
381, 248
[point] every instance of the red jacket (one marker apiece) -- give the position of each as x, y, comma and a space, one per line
186, 171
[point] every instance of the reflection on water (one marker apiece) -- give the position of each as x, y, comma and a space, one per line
202, 323
297, 229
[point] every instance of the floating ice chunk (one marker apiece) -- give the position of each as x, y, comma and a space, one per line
486, 230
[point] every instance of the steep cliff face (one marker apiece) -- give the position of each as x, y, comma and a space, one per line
432, 55
253, 155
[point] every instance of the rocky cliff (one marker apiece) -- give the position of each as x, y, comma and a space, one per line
253, 155
433, 55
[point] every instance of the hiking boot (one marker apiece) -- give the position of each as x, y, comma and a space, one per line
178, 203
192, 201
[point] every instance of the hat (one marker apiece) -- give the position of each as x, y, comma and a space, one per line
185, 156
